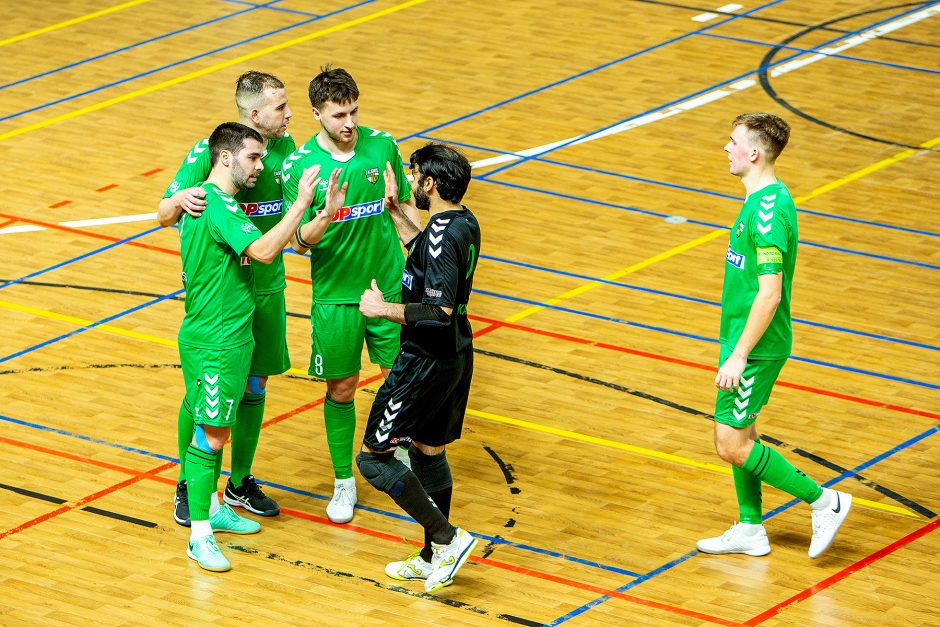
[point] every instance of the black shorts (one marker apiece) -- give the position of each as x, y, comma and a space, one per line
423, 399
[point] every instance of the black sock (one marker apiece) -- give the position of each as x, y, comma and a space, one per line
442, 499
415, 501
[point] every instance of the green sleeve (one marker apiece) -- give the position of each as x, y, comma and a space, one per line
194, 169
228, 224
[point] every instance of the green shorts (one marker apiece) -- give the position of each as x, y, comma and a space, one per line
215, 381
741, 407
269, 328
337, 334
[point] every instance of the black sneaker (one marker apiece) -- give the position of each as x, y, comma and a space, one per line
181, 505
250, 496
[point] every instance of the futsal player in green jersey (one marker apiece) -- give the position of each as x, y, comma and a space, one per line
756, 339
262, 105
218, 248
348, 248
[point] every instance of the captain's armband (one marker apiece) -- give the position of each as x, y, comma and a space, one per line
422, 314
769, 260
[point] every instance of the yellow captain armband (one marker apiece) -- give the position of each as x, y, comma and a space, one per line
769, 260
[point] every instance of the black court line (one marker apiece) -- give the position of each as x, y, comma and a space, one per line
88, 508
389, 587
771, 20
768, 59
906, 502
891, 494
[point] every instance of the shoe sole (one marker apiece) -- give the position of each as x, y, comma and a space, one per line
234, 502
193, 557
453, 573
847, 504
238, 533
752, 552
182, 523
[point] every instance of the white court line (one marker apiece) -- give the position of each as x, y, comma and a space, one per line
717, 94
704, 17
649, 118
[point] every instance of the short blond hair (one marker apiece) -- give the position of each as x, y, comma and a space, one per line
771, 132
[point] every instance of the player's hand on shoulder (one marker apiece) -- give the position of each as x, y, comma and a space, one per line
335, 195
192, 200
307, 185
372, 302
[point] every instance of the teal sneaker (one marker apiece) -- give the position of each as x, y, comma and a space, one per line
207, 554
226, 520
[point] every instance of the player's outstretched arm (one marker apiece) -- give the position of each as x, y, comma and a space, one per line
192, 200
404, 215
267, 247
312, 232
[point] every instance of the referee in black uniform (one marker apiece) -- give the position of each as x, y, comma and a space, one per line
424, 397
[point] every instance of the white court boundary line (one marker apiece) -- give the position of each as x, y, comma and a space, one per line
676, 109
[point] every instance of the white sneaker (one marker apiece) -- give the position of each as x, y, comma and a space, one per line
414, 567
447, 559
340, 508
827, 521
747, 539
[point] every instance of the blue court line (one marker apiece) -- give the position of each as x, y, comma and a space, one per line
700, 338
90, 326
703, 301
292, 490
78, 258
896, 66
131, 46
182, 61
669, 565
702, 91
598, 68
273, 8
713, 225
685, 188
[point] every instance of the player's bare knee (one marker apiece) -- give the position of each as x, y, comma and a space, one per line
210, 439
342, 390
382, 471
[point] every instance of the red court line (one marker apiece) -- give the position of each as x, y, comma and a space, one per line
842, 574
68, 229
61, 203
106, 187
312, 404
7, 223
85, 500
154, 476
151, 172
692, 364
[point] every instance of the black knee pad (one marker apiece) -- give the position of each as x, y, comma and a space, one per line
432, 470
383, 471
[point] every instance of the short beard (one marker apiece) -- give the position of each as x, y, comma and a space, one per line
240, 178
422, 201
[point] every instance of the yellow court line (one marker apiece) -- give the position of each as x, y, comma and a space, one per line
645, 452
525, 424
214, 68
620, 273
828, 187
77, 20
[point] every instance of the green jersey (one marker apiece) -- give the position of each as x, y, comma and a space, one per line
220, 297
361, 243
262, 203
763, 241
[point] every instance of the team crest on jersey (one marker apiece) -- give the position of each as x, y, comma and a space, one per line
740, 229
245, 260
407, 279
277, 177
372, 175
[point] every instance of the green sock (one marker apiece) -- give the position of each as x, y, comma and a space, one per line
245, 435
340, 421
748, 488
184, 435
770, 466
200, 481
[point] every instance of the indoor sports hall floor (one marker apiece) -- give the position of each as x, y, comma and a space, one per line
586, 467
